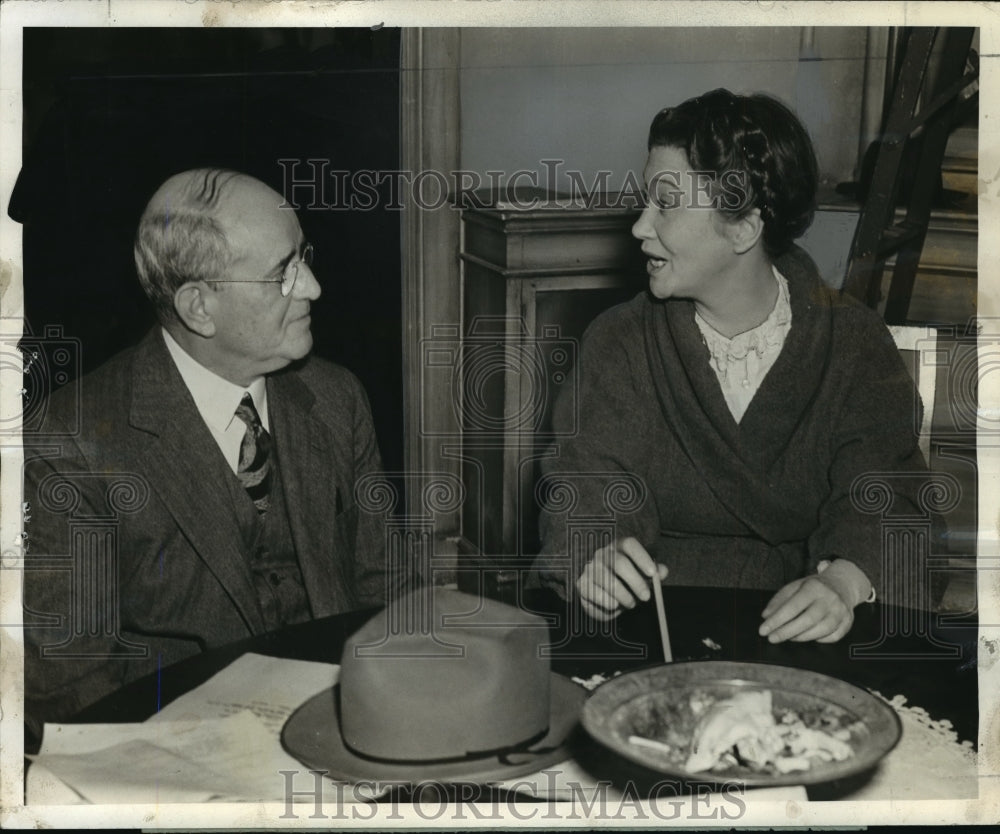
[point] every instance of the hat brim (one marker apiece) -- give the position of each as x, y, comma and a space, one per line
312, 735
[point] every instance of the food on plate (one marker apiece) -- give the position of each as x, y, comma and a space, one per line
594, 680
745, 722
743, 732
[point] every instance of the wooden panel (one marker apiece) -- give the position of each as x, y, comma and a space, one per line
429, 141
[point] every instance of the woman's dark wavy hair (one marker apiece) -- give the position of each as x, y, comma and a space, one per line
752, 141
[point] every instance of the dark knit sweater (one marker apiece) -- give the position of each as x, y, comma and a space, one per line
754, 504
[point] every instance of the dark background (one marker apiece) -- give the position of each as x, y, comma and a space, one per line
109, 114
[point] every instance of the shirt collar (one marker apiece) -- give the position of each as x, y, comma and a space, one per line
780, 315
216, 398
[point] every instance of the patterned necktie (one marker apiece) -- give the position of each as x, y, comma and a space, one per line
254, 470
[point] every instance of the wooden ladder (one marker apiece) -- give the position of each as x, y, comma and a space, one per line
878, 235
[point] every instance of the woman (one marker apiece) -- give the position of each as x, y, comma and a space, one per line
743, 395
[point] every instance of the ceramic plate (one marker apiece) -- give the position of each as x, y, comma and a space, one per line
653, 703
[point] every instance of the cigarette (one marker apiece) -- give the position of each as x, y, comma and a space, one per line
652, 744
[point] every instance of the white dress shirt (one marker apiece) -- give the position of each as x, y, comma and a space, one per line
217, 399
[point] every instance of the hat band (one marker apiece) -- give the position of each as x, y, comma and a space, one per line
500, 753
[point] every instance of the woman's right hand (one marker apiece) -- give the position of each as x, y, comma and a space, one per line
616, 577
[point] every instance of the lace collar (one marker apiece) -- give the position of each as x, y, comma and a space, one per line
765, 337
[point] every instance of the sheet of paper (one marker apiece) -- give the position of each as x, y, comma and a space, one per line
270, 687
134, 772
234, 758
219, 741
74, 739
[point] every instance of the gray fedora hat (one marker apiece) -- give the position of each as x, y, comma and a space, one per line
440, 685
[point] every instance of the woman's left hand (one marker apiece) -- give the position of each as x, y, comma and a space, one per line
818, 607
806, 609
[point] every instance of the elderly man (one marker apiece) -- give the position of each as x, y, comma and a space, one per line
209, 494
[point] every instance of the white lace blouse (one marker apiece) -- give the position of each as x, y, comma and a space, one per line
742, 362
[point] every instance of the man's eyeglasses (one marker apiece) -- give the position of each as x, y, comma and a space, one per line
288, 275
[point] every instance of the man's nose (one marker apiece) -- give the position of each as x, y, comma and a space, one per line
306, 285
643, 227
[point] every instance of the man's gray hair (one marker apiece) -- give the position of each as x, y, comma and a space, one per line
179, 238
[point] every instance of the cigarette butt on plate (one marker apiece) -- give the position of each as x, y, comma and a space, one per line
652, 744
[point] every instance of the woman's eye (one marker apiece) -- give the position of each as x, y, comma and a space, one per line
669, 199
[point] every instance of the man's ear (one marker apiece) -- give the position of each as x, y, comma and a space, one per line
193, 309
745, 231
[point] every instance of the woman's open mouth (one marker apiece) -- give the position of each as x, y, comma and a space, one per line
654, 264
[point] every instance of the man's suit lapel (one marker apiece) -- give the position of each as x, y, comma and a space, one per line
309, 470
185, 467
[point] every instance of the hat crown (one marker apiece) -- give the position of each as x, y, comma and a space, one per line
444, 675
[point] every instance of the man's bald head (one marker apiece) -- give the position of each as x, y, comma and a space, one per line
182, 235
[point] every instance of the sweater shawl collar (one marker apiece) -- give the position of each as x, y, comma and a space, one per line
736, 457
